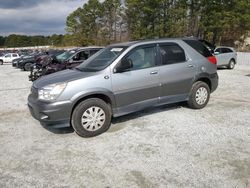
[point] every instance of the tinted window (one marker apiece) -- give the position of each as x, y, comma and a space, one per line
199, 47
8, 55
83, 55
142, 57
14, 55
172, 53
218, 50
92, 52
226, 50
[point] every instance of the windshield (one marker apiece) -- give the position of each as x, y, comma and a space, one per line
101, 59
65, 55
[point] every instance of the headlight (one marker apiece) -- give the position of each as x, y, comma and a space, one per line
51, 92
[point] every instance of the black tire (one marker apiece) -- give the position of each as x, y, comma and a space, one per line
27, 66
231, 64
192, 101
83, 107
1, 62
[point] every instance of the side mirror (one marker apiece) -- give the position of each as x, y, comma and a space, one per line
216, 53
75, 58
124, 65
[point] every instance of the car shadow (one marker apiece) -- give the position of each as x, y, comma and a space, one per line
58, 130
117, 123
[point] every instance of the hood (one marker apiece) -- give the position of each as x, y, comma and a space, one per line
27, 57
61, 76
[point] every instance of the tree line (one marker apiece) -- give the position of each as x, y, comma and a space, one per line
110, 21
24, 41
220, 22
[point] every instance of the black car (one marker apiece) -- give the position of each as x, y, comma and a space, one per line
26, 62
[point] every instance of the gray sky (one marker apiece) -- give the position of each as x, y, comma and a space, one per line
35, 17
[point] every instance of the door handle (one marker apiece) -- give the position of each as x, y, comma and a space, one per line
190, 66
154, 72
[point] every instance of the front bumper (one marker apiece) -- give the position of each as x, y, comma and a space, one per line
55, 114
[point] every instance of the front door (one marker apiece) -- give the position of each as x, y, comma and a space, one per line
77, 59
137, 87
7, 58
224, 56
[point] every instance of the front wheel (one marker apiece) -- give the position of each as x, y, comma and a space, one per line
199, 95
1, 62
27, 66
231, 64
91, 117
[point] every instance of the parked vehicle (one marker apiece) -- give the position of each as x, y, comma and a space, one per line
8, 58
66, 60
226, 56
124, 78
27, 62
15, 61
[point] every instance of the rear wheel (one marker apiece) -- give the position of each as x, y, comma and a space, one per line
231, 64
199, 95
91, 117
27, 66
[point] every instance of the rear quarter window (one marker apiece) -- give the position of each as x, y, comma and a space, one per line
199, 47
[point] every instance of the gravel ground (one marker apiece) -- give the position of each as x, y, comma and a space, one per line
170, 146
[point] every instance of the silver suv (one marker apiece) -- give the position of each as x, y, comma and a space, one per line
226, 56
124, 78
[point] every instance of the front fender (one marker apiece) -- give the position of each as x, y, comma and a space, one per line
94, 91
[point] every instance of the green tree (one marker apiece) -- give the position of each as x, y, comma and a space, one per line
84, 22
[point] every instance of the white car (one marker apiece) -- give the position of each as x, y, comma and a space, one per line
8, 58
226, 56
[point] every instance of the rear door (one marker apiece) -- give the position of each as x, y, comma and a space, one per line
138, 87
177, 73
14, 56
219, 57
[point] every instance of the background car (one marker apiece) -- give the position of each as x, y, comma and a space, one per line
226, 56
8, 58
61, 61
27, 61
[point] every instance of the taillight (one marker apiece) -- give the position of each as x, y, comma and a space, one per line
212, 59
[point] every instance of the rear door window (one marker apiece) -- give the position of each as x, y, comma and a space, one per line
226, 50
171, 53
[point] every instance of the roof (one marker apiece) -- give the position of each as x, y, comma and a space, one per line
151, 40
